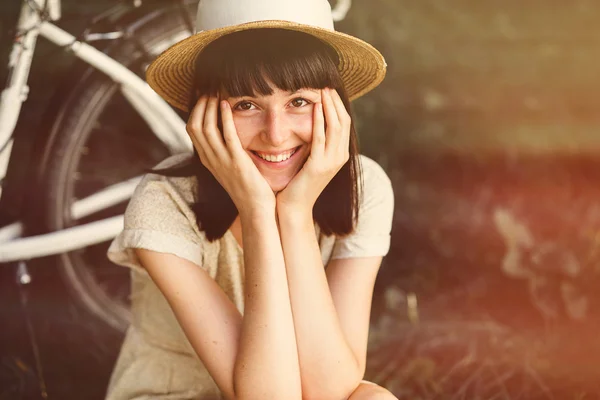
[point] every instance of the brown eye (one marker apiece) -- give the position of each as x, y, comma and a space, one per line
243, 106
299, 102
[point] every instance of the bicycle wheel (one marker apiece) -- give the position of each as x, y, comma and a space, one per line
98, 141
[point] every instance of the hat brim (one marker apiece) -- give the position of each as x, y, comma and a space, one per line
171, 75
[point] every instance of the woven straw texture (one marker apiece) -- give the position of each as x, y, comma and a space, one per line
361, 66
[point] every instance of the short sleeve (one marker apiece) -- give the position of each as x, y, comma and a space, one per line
371, 237
159, 218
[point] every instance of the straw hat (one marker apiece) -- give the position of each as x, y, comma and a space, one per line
361, 66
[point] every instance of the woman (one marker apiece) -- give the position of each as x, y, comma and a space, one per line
254, 260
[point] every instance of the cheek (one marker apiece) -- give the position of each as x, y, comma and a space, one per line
245, 129
303, 126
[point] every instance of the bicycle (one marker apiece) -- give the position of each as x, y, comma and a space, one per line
81, 181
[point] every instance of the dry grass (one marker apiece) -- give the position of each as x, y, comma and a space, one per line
439, 358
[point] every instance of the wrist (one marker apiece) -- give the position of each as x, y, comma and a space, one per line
257, 213
294, 214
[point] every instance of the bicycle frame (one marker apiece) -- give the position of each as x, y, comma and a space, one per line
162, 120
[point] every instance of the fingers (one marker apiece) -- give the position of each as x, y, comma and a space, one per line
194, 127
344, 118
223, 155
329, 109
318, 139
232, 141
340, 108
338, 122
203, 129
210, 128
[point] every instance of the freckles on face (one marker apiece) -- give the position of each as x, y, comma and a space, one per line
302, 123
273, 125
269, 122
260, 132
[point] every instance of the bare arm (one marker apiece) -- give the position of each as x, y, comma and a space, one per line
249, 357
331, 343
209, 319
267, 363
331, 310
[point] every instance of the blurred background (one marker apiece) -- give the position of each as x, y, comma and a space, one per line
487, 125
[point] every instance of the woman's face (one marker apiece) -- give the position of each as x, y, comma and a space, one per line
275, 127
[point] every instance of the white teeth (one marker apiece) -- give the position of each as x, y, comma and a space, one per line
278, 158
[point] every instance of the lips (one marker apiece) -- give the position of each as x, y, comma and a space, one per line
276, 164
277, 158
265, 155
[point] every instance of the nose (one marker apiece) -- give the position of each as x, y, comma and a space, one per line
276, 129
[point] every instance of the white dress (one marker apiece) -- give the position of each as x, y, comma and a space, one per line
156, 360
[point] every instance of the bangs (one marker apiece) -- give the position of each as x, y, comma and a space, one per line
243, 63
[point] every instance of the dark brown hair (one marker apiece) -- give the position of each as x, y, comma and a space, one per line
242, 63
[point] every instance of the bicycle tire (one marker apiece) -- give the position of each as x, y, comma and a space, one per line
94, 128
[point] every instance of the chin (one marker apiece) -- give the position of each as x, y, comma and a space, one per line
278, 188
279, 185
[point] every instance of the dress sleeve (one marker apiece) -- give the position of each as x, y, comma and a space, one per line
371, 237
159, 218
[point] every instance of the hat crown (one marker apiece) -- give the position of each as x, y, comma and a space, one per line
214, 14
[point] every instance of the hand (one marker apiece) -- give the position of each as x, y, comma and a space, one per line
329, 152
225, 158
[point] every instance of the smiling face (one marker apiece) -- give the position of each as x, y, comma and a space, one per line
264, 75
276, 131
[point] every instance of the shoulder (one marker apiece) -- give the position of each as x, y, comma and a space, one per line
371, 236
185, 188
371, 168
159, 217
376, 184
163, 202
